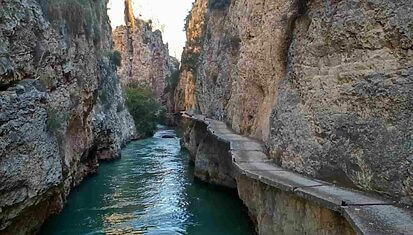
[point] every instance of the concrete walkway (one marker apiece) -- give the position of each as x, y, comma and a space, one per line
366, 213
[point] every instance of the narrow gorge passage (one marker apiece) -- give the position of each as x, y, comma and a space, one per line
296, 114
150, 190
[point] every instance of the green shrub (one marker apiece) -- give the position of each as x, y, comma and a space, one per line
149, 24
232, 42
173, 81
218, 4
190, 60
187, 20
96, 35
80, 16
120, 107
145, 110
103, 96
116, 57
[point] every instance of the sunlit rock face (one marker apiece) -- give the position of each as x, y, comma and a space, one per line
61, 105
235, 59
184, 94
146, 60
326, 84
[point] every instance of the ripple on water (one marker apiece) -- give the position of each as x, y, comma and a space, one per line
150, 190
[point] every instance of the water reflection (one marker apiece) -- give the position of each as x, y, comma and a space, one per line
151, 190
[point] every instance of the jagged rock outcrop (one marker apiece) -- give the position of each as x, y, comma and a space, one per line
61, 105
327, 85
146, 60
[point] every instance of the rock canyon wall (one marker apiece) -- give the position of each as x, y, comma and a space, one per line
146, 60
327, 85
61, 105
184, 95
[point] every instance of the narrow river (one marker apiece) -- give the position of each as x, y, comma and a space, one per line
150, 190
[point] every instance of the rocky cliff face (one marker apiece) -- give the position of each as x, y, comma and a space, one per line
61, 105
184, 95
326, 84
146, 60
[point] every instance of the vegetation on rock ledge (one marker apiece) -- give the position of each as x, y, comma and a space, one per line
79, 16
145, 110
218, 4
116, 57
172, 81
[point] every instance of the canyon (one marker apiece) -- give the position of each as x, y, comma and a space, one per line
62, 107
304, 107
145, 59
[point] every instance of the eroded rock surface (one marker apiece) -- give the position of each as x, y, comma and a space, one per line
210, 156
61, 105
184, 94
344, 110
146, 60
327, 85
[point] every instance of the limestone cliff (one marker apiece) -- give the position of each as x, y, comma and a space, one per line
146, 60
61, 105
327, 85
184, 95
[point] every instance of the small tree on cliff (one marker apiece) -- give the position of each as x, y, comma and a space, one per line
143, 107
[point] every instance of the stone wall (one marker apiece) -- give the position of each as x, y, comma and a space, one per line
325, 84
278, 212
61, 105
274, 210
210, 156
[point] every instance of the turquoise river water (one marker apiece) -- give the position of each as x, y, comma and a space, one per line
150, 190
